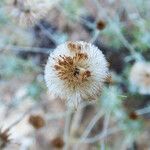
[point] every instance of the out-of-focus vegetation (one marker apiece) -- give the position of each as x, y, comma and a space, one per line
119, 119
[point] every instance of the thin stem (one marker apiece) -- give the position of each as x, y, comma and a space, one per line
94, 38
67, 128
89, 128
91, 125
77, 18
143, 111
53, 116
101, 136
25, 48
76, 121
47, 33
106, 123
117, 29
24, 115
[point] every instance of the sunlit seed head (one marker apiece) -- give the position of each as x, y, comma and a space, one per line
76, 71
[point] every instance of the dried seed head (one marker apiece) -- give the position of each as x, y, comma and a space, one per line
57, 142
76, 71
101, 24
37, 121
140, 77
4, 138
29, 12
133, 115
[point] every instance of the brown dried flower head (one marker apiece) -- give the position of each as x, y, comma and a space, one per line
37, 121
28, 12
133, 115
4, 138
57, 142
101, 24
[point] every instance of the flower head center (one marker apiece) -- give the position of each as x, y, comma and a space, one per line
73, 70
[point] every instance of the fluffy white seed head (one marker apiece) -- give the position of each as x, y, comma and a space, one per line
76, 71
140, 77
28, 12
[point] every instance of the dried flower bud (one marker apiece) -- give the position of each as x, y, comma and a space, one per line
133, 115
4, 138
101, 25
76, 71
57, 142
36, 121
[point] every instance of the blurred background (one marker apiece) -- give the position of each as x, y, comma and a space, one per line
31, 118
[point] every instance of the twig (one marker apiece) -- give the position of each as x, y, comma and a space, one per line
25, 49
101, 136
96, 34
47, 33
106, 122
89, 128
52, 116
143, 111
77, 17
68, 122
117, 29
91, 125
76, 121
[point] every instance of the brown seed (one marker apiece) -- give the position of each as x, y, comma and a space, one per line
133, 115
57, 142
76, 72
57, 67
101, 24
36, 121
4, 138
